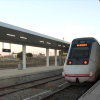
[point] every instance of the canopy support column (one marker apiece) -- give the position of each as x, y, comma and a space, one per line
24, 56
55, 57
47, 57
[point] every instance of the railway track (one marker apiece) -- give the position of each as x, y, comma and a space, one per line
49, 92
31, 88
52, 88
63, 91
69, 93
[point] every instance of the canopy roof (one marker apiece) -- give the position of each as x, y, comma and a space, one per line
12, 34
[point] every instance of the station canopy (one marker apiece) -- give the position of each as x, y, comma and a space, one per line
13, 34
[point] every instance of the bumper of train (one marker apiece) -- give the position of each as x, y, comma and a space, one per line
77, 78
76, 73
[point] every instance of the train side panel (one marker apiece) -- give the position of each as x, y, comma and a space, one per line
92, 61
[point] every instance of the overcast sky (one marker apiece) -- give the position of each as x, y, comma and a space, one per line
57, 18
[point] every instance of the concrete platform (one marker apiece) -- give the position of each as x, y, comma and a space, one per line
93, 93
11, 77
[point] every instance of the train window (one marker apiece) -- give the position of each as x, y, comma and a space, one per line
80, 52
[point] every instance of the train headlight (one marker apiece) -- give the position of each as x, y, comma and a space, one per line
85, 62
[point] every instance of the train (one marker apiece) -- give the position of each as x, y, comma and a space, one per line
82, 63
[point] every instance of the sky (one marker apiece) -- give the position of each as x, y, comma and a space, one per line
56, 18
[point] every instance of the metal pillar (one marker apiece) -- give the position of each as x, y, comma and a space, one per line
55, 57
24, 56
47, 57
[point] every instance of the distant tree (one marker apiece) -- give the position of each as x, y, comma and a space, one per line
29, 55
19, 55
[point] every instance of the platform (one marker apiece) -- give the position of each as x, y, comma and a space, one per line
11, 77
93, 93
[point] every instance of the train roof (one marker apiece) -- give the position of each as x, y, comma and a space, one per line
92, 39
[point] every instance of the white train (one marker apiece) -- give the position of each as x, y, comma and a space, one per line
82, 63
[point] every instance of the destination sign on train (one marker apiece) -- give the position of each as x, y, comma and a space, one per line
81, 45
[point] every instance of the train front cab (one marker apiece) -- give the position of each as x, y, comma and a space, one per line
80, 65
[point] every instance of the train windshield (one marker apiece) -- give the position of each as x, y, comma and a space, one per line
80, 52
